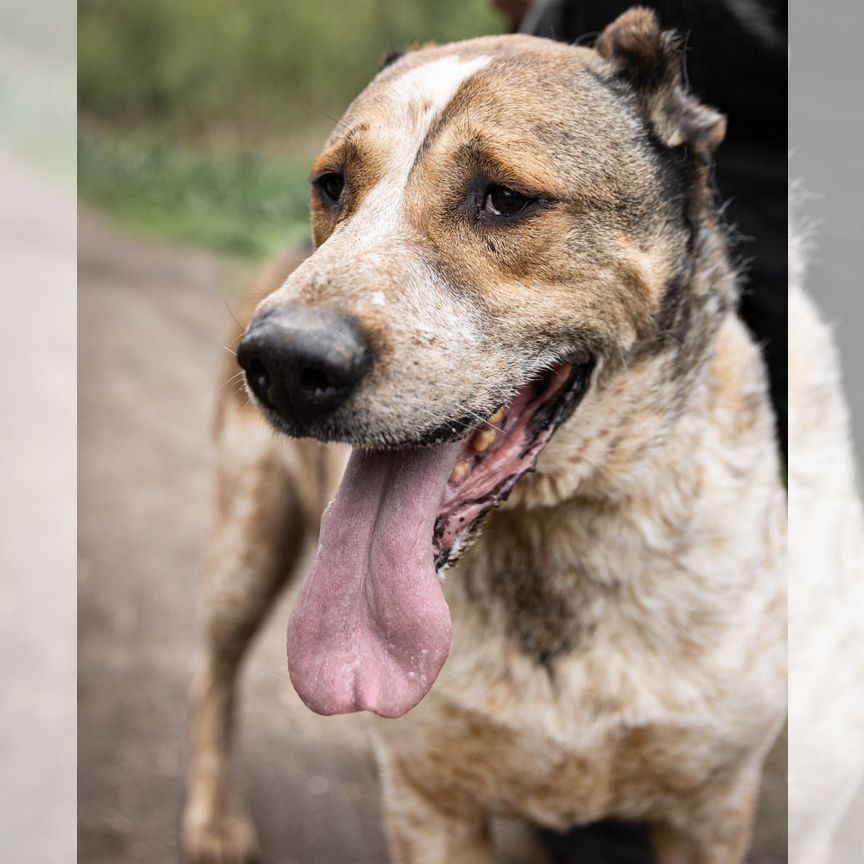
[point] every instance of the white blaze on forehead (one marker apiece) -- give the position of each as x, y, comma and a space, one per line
414, 100
418, 97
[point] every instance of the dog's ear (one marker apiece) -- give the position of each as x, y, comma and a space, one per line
391, 57
398, 53
652, 63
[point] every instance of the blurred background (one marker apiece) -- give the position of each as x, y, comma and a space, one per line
198, 125
37, 431
826, 140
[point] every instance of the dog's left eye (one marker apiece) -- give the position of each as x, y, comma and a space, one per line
501, 201
330, 185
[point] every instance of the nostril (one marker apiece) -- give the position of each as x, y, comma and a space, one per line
259, 381
316, 380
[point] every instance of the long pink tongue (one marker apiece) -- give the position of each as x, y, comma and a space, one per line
371, 628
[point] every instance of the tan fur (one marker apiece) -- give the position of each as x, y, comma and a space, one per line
619, 628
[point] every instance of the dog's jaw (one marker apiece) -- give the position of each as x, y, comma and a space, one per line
371, 628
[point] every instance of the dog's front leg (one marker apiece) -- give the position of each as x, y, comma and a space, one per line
256, 540
425, 828
716, 831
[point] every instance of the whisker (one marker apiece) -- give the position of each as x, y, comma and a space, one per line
460, 423
231, 313
232, 378
337, 121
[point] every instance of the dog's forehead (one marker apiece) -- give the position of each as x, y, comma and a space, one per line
503, 55
397, 109
429, 86
401, 104
420, 94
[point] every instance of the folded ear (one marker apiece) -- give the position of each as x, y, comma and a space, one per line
652, 63
397, 54
391, 57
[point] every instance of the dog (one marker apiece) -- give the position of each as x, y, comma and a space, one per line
826, 589
521, 317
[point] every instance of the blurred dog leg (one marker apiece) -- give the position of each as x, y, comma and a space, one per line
718, 828
256, 541
428, 827
826, 593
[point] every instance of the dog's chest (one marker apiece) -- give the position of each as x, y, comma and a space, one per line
566, 699
606, 734
636, 773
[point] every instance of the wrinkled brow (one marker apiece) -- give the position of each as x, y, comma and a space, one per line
335, 157
355, 154
491, 161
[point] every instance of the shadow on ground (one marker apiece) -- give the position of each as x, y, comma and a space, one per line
152, 322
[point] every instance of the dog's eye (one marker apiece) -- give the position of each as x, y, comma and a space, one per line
330, 185
501, 201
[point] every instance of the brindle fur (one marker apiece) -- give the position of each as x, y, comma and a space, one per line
619, 643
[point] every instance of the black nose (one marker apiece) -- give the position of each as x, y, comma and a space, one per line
304, 363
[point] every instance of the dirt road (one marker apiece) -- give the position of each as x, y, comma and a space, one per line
152, 320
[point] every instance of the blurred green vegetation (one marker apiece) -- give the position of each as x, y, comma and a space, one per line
239, 203
199, 119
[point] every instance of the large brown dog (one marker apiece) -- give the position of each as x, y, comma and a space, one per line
518, 267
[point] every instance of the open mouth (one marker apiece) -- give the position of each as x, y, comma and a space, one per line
500, 452
371, 628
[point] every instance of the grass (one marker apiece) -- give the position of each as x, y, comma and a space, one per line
242, 204
257, 66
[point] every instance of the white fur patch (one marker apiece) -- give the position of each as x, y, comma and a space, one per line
416, 99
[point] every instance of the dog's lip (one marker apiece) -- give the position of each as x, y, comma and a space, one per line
461, 428
449, 431
465, 427
501, 450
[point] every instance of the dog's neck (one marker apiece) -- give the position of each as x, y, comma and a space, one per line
623, 490
651, 412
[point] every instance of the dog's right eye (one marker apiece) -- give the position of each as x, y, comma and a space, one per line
501, 201
330, 186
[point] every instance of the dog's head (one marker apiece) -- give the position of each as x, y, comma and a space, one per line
501, 225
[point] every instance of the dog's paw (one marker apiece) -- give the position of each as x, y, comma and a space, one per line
231, 839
